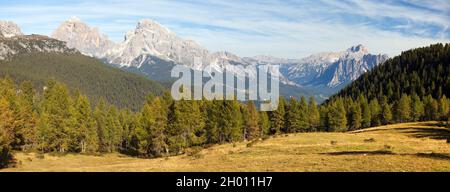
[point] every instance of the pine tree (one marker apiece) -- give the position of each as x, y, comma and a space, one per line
314, 114
277, 121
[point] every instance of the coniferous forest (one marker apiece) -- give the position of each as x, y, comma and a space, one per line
411, 87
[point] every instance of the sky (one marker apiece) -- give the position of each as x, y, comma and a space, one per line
281, 28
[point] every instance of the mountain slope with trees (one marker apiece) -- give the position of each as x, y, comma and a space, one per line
414, 86
78, 72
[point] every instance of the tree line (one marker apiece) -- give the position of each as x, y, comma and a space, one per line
64, 122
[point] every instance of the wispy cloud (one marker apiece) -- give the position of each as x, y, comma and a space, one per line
284, 28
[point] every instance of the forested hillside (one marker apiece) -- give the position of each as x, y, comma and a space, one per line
422, 71
60, 121
414, 86
90, 76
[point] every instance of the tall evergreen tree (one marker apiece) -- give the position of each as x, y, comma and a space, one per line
386, 110
6, 132
355, 117
85, 132
252, 122
443, 108
417, 109
314, 114
264, 123
152, 133
366, 114
375, 111
293, 116
337, 119
403, 109
303, 117
277, 118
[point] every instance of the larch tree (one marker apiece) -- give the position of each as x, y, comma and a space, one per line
252, 122
314, 114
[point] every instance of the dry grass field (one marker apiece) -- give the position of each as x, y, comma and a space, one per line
400, 147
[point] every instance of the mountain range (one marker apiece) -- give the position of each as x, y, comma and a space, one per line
152, 49
39, 59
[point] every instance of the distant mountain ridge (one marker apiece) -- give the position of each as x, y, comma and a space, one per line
39, 59
151, 44
151, 49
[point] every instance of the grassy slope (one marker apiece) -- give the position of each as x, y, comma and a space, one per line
401, 147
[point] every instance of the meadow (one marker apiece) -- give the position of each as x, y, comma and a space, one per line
408, 147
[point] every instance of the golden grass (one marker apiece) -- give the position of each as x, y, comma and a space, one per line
400, 147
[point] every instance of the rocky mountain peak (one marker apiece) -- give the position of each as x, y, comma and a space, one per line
81, 36
9, 29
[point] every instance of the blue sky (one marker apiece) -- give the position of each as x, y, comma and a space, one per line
282, 28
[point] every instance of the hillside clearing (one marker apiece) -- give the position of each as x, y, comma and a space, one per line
400, 147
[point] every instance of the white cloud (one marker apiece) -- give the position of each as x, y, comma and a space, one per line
248, 28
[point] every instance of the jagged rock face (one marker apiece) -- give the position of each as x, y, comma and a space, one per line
9, 29
333, 69
150, 43
87, 40
151, 38
31, 44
